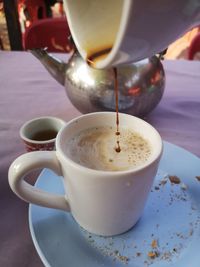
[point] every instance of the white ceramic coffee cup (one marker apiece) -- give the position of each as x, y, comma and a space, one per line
103, 202
135, 29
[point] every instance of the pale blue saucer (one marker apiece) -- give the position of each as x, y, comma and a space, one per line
169, 228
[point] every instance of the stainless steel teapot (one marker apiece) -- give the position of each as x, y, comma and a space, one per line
141, 84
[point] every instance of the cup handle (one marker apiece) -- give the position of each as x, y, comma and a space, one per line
31, 161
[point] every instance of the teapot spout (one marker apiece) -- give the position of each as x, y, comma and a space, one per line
54, 66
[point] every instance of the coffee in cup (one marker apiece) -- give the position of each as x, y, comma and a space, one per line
95, 148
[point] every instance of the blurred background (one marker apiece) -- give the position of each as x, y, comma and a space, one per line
17, 16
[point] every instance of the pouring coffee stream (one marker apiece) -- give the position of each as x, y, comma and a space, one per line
91, 62
118, 149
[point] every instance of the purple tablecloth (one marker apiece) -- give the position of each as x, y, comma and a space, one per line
28, 91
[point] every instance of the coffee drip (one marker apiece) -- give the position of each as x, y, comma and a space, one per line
91, 59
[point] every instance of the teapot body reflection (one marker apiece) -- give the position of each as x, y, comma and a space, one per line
141, 84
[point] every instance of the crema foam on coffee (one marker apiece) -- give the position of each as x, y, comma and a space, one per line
95, 148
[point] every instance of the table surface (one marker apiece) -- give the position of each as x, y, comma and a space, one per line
28, 91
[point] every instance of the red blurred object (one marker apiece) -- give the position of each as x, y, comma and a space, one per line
194, 47
155, 78
61, 9
1, 5
30, 11
33, 9
52, 33
135, 91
